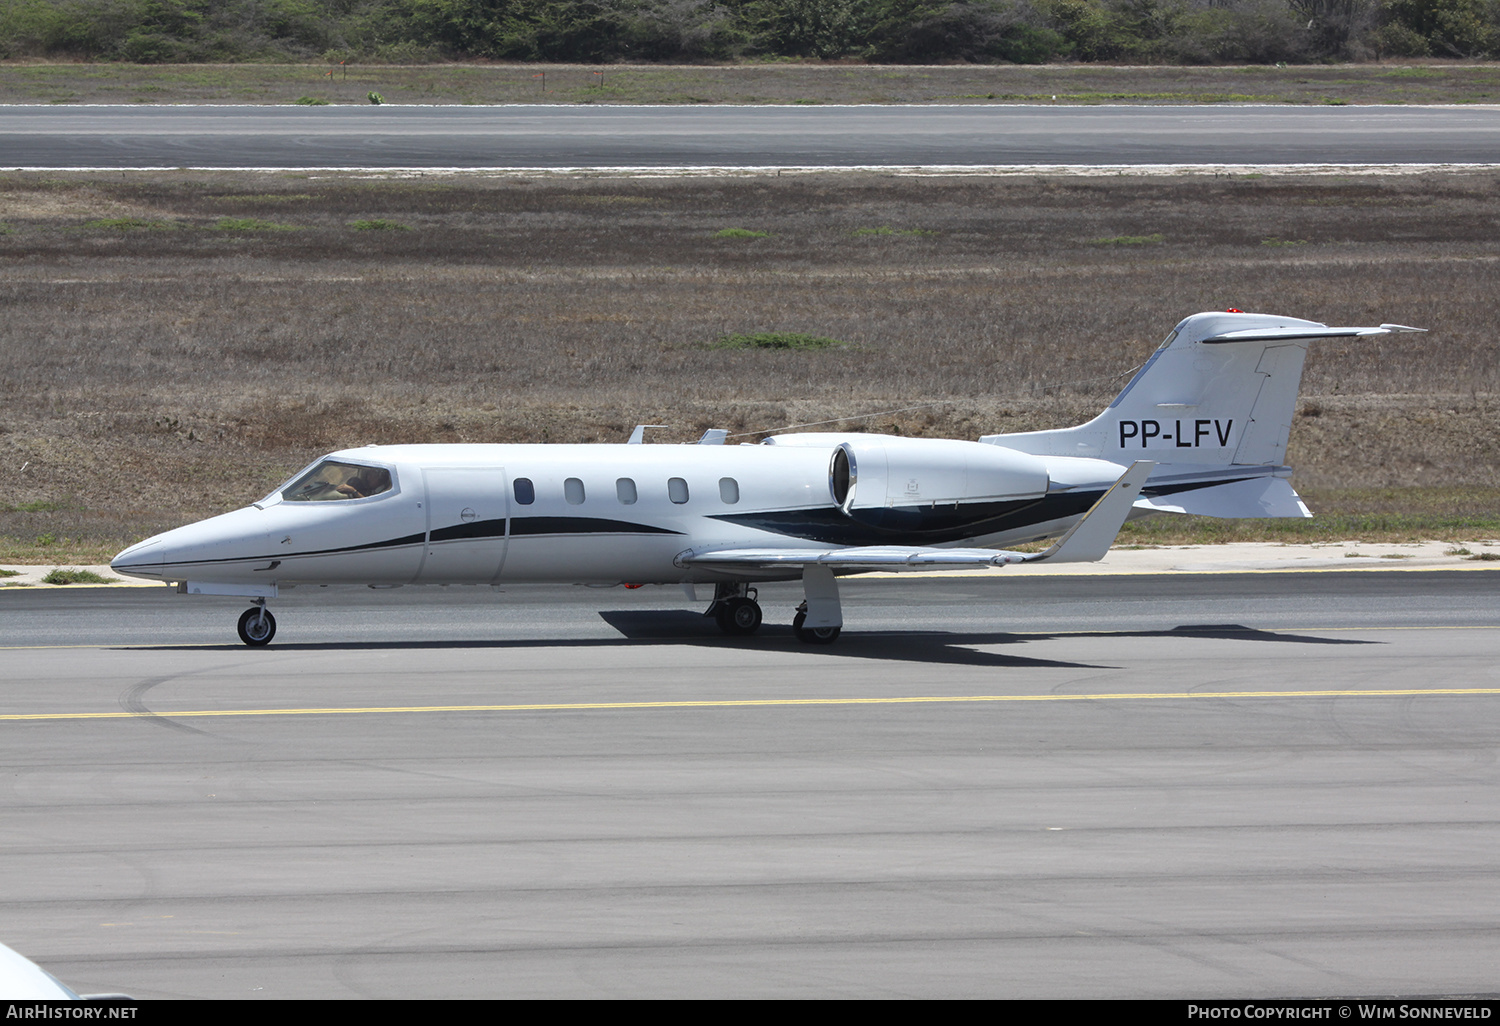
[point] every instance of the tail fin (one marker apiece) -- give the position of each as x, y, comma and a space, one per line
1219, 391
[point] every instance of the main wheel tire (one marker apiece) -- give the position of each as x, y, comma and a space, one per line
813, 635
254, 630
738, 616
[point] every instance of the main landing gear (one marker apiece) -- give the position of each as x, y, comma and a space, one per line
257, 625
737, 613
735, 609
812, 635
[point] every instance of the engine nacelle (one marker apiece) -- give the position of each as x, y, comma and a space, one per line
884, 479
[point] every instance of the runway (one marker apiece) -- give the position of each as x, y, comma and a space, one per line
553, 137
1244, 785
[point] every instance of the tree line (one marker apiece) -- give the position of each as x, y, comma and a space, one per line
880, 31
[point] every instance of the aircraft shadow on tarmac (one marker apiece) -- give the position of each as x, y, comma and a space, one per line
683, 627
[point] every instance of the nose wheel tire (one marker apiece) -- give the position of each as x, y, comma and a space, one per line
257, 626
813, 635
738, 616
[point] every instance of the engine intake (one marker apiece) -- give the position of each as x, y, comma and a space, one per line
876, 474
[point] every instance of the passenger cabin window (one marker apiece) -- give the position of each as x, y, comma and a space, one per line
677, 490
625, 489
729, 491
525, 491
573, 491
332, 480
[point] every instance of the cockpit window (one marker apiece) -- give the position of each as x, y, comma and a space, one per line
331, 480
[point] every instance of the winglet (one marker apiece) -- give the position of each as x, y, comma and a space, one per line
638, 436
1088, 540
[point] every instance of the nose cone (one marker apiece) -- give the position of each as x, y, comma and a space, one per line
223, 548
144, 559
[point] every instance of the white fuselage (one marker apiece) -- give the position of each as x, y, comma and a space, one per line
607, 514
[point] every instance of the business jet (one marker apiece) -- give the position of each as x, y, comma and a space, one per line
1201, 428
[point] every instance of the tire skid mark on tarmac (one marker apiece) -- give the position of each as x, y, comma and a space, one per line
134, 706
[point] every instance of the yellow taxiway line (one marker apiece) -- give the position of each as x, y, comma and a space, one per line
747, 702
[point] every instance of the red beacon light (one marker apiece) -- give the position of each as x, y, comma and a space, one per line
1233, 310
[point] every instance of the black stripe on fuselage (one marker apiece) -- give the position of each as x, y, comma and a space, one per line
476, 529
579, 525
930, 524
459, 532
935, 523
1193, 486
389, 543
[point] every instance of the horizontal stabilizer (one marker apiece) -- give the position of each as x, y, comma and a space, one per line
1288, 334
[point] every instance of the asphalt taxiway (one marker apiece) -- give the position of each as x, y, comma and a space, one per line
588, 136
1153, 786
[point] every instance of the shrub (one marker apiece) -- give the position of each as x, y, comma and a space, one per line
1128, 240
970, 31
74, 576
124, 224
252, 224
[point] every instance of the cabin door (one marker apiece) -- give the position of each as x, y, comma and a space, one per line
468, 513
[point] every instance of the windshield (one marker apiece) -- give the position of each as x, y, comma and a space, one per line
333, 480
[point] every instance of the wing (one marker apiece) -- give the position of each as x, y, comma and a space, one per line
868, 557
1086, 541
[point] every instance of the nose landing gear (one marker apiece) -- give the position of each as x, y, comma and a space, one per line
257, 626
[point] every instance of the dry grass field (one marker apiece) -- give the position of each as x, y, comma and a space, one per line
753, 82
175, 344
